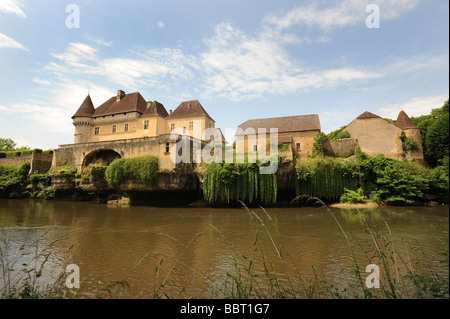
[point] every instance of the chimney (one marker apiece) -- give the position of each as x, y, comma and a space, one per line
189, 105
149, 104
120, 95
170, 112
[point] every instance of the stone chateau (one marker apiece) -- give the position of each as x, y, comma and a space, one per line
126, 125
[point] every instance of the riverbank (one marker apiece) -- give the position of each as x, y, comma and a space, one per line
307, 182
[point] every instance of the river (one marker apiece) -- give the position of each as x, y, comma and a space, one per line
196, 252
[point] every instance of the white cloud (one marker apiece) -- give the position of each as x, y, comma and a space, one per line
143, 68
418, 62
344, 13
77, 53
12, 6
160, 24
100, 41
413, 107
239, 66
7, 42
41, 81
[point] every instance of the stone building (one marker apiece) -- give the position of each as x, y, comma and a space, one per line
127, 125
375, 135
297, 132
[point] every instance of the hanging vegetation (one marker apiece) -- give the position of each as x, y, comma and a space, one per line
143, 168
229, 182
326, 178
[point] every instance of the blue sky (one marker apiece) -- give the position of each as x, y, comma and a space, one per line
240, 59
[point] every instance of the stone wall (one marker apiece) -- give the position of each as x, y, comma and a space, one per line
16, 161
40, 163
75, 154
344, 147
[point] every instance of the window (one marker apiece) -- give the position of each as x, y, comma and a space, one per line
96, 130
210, 125
167, 147
255, 148
126, 127
298, 147
172, 127
184, 130
114, 129
146, 125
191, 126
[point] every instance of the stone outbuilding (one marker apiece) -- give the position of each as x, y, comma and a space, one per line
374, 135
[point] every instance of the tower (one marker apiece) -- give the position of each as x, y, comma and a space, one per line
411, 132
83, 122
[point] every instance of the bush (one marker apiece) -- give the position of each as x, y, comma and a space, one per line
47, 193
353, 197
44, 179
392, 181
24, 170
143, 168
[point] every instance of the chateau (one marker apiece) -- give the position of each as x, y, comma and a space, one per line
128, 116
126, 125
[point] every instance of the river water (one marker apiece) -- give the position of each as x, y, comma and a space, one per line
192, 252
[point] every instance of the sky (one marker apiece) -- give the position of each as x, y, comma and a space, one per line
241, 59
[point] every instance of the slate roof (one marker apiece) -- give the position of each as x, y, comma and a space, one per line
285, 124
189, 109
86, 108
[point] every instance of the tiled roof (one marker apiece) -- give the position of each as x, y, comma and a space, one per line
155, 109
132, 102
189, 109
404, 122
367, 115
86, 109
285, 124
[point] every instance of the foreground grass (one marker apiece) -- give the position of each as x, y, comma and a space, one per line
253, 274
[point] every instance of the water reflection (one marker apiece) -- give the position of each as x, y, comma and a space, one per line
188, 250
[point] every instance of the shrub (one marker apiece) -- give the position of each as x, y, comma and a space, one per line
353, 197
24, 170
143, 168
44, 179
47, 193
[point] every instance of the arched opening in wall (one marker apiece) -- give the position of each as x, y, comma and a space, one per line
100, 157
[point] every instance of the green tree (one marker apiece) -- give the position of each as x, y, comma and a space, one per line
437, 140
7, 144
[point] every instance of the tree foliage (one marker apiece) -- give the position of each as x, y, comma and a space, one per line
7, 144
434, 130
